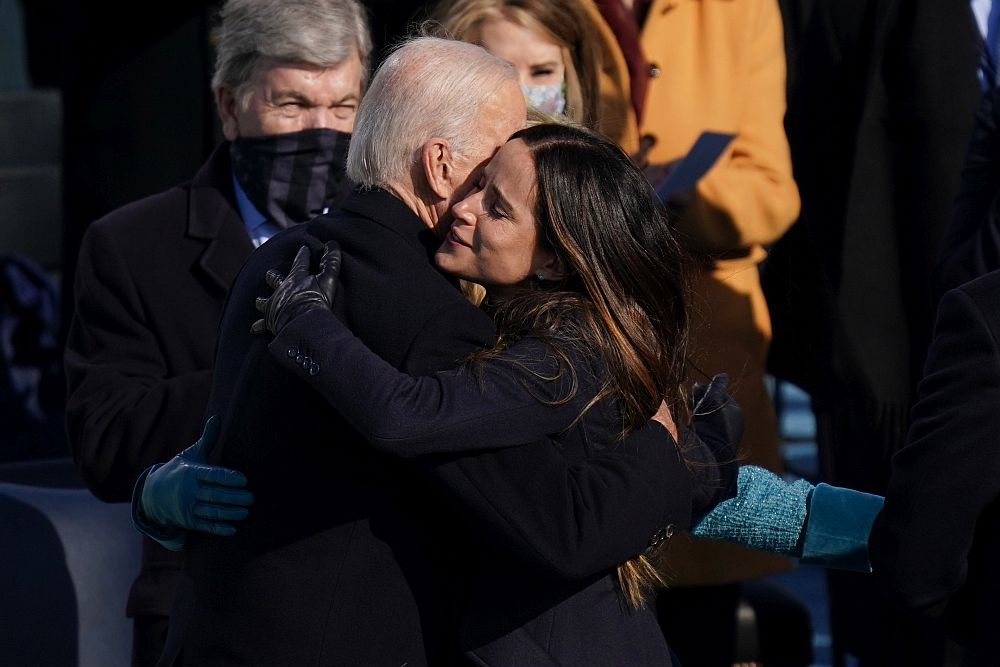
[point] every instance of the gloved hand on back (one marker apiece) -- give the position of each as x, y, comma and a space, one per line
186, 493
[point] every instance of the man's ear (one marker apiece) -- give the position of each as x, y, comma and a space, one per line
439, 167
226, 104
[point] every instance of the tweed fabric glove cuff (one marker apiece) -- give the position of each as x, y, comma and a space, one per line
766, 514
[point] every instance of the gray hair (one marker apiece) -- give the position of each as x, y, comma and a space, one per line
317, 32
427, 87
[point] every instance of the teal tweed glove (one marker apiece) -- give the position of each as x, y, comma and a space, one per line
766, 514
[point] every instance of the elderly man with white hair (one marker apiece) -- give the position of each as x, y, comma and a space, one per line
347, 556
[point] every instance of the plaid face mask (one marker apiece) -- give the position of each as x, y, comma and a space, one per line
293, 177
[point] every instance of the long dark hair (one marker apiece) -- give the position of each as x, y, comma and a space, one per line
624, 294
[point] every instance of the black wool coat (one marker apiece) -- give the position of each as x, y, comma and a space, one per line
150, 285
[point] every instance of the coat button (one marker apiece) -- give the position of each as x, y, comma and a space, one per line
659, 537
299, 358
306, 362
293, 352
314, 369
654, 70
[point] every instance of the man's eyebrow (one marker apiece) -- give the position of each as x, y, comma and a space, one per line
293, 95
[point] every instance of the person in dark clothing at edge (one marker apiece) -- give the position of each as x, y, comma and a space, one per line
152, 275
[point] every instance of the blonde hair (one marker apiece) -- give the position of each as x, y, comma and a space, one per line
562, 22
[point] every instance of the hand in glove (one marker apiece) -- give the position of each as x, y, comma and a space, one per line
766, 514
300, 291
717, 418
186, 493
717, 423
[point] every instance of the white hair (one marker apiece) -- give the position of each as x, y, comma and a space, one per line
427, 87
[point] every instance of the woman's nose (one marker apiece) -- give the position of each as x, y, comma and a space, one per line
465, 210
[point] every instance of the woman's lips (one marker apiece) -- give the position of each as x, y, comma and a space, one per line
453, 239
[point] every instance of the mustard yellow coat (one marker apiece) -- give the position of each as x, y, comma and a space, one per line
721, 66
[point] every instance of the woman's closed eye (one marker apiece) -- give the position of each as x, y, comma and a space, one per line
495, 211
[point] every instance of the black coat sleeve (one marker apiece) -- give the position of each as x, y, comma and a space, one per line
509, 400
125, 409
949, 470
573, 519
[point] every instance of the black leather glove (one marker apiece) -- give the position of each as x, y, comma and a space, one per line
717, 417
299, 292
713, 449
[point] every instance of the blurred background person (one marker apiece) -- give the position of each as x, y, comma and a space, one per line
879, 119
552, 45
152, 276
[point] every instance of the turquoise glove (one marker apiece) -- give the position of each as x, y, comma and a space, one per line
767, 513
186, 493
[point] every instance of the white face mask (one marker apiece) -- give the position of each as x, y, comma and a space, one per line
549, 98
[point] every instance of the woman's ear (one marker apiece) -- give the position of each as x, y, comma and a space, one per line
437, 160
549, 266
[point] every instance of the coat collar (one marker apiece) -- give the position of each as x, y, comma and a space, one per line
213, 216
387, 210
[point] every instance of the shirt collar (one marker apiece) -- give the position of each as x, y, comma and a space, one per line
252, 218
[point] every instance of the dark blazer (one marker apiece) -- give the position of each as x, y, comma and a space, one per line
150, 285
937, 541
972, 244
352, 557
